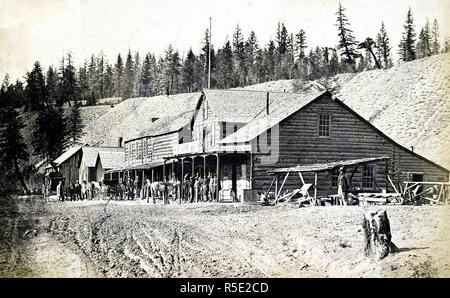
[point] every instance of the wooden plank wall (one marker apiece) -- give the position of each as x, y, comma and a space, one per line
150, 149
69, 168
350, 138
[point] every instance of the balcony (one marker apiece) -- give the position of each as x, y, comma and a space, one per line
196, 147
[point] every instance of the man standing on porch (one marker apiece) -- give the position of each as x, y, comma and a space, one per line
342, 186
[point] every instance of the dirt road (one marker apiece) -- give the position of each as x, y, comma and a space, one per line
133, 239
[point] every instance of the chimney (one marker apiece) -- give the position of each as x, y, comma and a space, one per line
412, 148
267, 104
120, 142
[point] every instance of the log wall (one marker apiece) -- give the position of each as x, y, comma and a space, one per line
350, 138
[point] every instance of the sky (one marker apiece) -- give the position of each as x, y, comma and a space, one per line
45, 30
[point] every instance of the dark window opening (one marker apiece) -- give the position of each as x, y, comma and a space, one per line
334, 178
367, 177
269, 137
257, 144
235, 128
224, 129
324, 125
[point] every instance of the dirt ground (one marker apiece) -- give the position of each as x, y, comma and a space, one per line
136, 239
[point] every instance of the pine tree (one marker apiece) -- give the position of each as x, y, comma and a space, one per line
52, 85
239, 67
435, 38
269, 61
118, 77
36, 90
225, 66
75, 124
421, 46
347, 41
100, 62
407, 49
128, 76
83, 82
368, 44
109, 81
93, 80
383, 47
49, 137
137, 74
13, 149
251, 49
146, 77
189, 72
69, 91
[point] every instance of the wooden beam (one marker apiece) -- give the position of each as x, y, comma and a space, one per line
217, 176
267, 192
392, 183
301, 177
281, 188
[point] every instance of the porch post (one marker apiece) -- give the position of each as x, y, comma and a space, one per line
164, 170
153, 174
192, 166
182, 180
173, 169
204, 166
217, 176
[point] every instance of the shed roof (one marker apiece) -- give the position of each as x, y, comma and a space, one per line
320, 167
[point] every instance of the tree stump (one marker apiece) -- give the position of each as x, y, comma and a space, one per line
377, 235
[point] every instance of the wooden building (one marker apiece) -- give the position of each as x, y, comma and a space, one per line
242, 136
319, 128
81, 163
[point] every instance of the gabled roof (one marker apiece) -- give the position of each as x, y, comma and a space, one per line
282, 105
292, 105
133, 116
112, 159
164, 125
90, 154
239, 105
66, 155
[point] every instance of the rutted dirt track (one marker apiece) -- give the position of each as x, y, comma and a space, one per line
133, 239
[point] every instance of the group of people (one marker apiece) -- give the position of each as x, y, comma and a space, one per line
80, 191
197, 189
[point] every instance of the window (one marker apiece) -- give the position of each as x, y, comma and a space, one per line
224, 129
269, 137
257, 144
367, 177
324, 125
235, 128
334, 177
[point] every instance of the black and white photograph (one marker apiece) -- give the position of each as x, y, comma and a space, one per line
233, 140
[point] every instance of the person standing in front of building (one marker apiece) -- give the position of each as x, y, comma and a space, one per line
342, 186
60, 191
